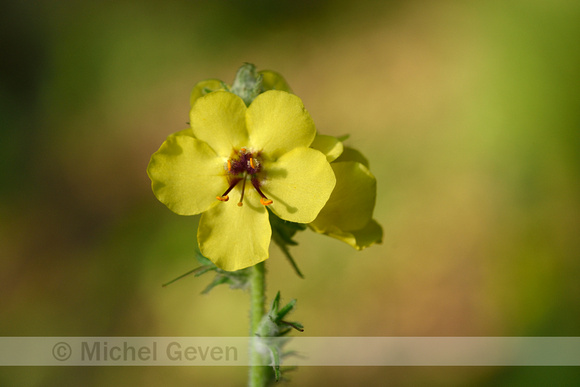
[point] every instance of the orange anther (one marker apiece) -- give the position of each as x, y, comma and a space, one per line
229, 165
252, 164
265, 202
224, 198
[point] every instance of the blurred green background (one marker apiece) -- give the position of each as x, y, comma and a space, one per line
468, 112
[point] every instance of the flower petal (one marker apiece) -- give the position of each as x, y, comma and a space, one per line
351, 154
186, 174
360, 239
184, 132
351, 204
271, 80
219, 119
328, 145
278, 122
300, 182
234, 237
203, 88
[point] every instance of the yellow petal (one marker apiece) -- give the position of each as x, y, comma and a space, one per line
271, 80
186, 174
328, 145
351, 204
219, 119
360, 239
277, 122
204, 87
234, 237
300, 183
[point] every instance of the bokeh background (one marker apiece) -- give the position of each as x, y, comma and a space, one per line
468, 112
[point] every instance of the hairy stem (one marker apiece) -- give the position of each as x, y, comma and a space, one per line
258, 374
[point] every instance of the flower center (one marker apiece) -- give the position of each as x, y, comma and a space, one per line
243, 166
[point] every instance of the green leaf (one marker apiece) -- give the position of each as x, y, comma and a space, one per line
235, 279
282, 234
197, 272
285, 229
286, 309
218, 280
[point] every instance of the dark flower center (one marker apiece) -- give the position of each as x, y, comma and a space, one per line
243, 166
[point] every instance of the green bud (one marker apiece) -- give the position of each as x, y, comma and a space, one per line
247, 84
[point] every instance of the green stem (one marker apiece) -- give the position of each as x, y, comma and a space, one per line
258, 374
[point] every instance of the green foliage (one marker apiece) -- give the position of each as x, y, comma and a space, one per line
282, 234
238, 279
272, 327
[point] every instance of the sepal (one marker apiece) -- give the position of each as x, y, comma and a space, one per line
270, 330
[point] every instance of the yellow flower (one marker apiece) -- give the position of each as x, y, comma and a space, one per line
347, 215
259, 156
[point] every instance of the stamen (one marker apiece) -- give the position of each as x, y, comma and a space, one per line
266, 202
225, 197
244, 166
243, 190
263, 200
